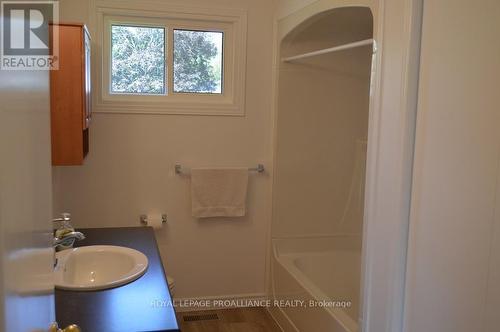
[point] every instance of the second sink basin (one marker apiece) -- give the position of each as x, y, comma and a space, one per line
98, 267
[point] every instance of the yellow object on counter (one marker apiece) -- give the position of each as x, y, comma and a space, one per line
63, 231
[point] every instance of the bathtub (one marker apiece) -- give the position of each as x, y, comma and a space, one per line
323, 276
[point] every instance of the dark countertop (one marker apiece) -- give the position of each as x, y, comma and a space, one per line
144, 305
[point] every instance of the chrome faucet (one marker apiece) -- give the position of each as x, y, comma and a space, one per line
67, 240
65, 235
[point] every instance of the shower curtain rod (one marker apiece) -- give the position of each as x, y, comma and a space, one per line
329, 50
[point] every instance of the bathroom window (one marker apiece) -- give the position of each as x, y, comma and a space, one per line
137, 60
198, 64
171, 64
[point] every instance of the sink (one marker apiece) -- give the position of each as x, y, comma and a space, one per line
98, 267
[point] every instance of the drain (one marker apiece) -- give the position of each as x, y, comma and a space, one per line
196, 318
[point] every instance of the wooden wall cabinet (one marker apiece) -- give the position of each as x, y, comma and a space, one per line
70, 96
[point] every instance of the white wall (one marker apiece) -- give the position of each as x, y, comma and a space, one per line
129, 171
287, 7
453, 261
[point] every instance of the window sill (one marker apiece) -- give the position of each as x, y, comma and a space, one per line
171, 108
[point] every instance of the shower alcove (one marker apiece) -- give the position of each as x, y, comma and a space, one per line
324, 83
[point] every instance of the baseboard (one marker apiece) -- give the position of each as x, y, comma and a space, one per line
219, 302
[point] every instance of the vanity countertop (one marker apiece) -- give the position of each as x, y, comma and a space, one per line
143, 305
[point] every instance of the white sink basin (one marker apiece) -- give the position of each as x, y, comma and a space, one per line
98, 267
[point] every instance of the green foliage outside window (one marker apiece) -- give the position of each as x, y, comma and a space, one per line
197, 61
138, 60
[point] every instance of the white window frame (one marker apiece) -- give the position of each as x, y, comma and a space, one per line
232, 23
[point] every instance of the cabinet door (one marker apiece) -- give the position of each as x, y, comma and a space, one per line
87, 84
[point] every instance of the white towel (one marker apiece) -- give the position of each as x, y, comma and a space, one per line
219, 192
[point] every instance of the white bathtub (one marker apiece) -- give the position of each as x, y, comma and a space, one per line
324, 272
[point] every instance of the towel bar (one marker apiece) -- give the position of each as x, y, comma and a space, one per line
259, 169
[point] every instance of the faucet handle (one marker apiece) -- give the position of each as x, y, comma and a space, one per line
63, 221
65, 216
